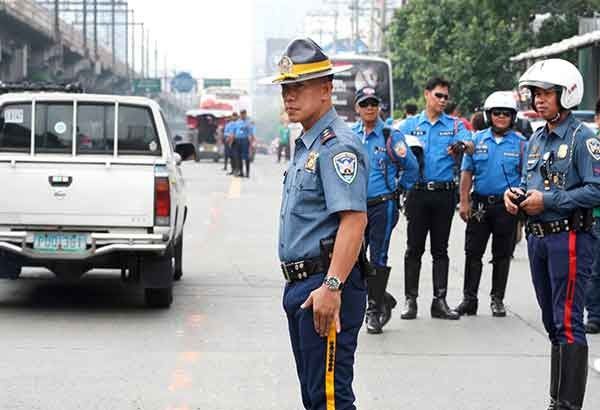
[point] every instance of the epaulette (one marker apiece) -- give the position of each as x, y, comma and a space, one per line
326, 135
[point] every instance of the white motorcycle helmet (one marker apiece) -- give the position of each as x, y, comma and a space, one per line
499, 99
557, 73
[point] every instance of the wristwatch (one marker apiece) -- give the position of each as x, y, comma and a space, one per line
333, 283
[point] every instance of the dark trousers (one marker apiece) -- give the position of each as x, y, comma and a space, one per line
592, 298
488, 220
428, 212
325, 366
227, 156
382, 218
560, 268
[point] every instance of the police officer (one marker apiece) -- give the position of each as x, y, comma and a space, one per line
244, 136
323, 218
431, 203
558, 191
392, 166
229, 133
497, 161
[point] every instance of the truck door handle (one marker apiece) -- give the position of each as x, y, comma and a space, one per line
60, 181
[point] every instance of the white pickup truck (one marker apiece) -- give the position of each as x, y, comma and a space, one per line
91, 181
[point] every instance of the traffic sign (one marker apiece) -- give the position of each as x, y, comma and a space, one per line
147, 86
183, 82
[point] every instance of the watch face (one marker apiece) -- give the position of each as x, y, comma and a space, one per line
332, 283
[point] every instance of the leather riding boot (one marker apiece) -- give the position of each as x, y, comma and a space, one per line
439, 307
412, 270
388, 302
500, 270
372, 318
572, 376
469, 304
554, 369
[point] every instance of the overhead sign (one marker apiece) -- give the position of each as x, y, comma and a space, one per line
183, 82
217, 82
147, 86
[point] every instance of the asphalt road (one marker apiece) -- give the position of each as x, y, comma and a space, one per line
223, 344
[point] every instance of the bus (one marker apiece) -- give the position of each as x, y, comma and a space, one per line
366, 71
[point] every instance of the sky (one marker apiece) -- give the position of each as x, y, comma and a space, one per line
216, 38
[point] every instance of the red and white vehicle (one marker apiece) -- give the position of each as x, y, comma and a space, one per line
91, 181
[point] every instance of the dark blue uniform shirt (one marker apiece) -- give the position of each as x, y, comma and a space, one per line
436, 138
323, 179
386, 161
576, 163
491, 160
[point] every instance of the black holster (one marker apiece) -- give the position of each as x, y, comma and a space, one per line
582, 219
326, 245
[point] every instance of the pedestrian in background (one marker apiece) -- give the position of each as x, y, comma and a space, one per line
454, 110
229, 135
322, 222
592, 302
392, 168
430, 205
244, 138
497, 161
558, 192
283, 133
477, 121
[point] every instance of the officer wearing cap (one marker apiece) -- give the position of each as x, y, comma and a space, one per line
229, 133
244, 136
323, 218
497, 162
392, 166
430, 205
558, 190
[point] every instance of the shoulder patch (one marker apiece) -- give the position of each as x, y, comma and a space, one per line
593, 146
346, 166
326, 135
400, 149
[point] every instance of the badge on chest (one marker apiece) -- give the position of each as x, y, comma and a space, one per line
311, 162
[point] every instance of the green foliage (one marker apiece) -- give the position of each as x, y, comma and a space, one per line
470, 43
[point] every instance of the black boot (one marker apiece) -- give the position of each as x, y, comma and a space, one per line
387, 301
247, 163
412, 269
372, 318
469, 304
554, 369
500, 270
439, 307
572, 376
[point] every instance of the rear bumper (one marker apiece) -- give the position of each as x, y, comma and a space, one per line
101, 244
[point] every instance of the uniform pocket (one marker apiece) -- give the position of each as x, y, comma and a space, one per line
309, 190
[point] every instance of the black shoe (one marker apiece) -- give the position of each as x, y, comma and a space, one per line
592, 328
389, 303
498, 309
572, 376
554, 369
372, 319
467, 307
441, 310
410, 309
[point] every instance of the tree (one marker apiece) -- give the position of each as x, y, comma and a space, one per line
470, 42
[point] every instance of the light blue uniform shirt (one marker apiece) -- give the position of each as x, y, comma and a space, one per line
491, 160
243, 129
322, 180
230, 128
576, 159
436, 138
380, 162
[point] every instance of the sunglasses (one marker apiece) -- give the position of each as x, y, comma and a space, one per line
501, 113
368, 103
441, 96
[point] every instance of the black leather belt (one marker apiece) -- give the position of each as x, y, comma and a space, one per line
300, 270
382, 198
435, 186
488, 199
541, 229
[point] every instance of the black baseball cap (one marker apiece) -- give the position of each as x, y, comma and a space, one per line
366, 93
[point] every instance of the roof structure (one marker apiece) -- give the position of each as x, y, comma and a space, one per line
571, 43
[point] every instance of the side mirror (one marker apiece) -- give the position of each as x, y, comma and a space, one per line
186, 150
177, 158
177, 139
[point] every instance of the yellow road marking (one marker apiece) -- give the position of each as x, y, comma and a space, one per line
235, 188
190, 357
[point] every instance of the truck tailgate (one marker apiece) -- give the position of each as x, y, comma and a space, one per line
77, 194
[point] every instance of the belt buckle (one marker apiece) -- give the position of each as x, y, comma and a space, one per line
430, 186
491, 200
537, 230
286, 274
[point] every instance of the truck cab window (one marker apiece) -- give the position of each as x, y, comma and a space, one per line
137, 132
53, 127
15, 128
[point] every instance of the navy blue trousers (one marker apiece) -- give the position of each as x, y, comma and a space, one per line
560, 267
592, 298
242, 148
382, 218
325, 366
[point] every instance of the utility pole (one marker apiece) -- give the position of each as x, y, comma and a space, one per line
133, 43
96, 30
147, 53
85, 43
143, 53
113, 41
155, 58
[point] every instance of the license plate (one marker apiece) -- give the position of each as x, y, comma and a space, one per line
60, 242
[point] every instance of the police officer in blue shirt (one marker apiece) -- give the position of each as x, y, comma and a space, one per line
392, 166
229, 134
244, 135
323, 218
558, 190
430, 205
497, 161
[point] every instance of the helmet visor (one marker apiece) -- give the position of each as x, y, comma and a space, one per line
537, 84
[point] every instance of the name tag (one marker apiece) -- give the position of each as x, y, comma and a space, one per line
446, 133
481, 149
511, 154
418, 133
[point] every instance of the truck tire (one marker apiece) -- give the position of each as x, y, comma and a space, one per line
178, 255
158, 298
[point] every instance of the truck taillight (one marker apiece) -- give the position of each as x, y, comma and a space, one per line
162, 201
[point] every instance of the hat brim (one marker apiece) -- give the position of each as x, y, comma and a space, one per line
274, 79
367, 97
